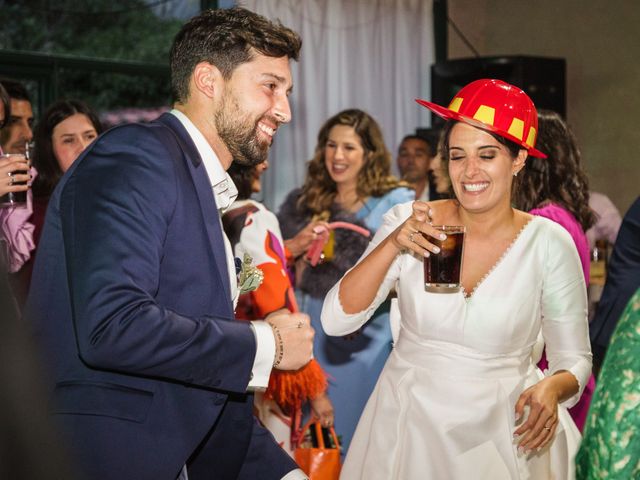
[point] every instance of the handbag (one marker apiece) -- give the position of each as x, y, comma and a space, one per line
318, 452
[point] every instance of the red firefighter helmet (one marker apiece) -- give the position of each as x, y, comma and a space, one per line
496, 106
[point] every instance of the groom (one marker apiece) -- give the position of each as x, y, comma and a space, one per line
133, 287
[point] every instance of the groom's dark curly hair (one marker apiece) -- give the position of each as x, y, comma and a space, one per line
226, 38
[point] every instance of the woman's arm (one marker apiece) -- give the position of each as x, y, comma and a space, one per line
565, 331
16, 230
351, 302
565, 327
359, 286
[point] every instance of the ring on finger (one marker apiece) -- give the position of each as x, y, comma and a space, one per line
411, 236
548, 429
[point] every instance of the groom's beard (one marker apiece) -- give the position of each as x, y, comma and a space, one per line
239, 132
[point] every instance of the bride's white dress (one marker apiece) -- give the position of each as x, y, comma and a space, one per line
443, 407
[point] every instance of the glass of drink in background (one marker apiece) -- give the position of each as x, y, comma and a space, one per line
442, 270
17, 199
597, 274
598, 270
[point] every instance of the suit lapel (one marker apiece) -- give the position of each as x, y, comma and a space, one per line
205, 197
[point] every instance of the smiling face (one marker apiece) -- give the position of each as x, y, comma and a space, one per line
70, 137
344, 155
254, 103
481, 169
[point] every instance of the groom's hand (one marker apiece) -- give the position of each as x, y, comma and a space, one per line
294, 339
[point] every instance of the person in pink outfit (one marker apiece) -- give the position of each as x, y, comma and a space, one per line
66, 128
12, 180
557, 188
16, 234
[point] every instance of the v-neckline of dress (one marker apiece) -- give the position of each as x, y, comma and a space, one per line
497, 263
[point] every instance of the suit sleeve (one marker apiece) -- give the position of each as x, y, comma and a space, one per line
116, 207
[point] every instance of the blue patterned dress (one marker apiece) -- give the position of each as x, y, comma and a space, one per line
353, 363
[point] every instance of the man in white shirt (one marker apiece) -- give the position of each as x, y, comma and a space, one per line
134, 282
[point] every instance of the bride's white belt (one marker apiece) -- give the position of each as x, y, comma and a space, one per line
452, 359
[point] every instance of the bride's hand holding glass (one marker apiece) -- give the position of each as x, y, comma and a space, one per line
410, 235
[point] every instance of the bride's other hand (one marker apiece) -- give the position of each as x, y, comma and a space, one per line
543, 398
539, 427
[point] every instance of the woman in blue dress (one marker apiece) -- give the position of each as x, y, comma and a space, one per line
349, 180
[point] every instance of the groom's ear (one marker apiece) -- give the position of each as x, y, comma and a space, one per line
206, 79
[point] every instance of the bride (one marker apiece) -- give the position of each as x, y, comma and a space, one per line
460, 396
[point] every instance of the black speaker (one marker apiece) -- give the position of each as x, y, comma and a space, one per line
542, 78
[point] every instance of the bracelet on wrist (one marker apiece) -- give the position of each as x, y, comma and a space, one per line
279, 346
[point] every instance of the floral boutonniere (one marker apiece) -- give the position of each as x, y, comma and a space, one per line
249, 277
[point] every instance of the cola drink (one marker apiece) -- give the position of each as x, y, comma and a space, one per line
442, 270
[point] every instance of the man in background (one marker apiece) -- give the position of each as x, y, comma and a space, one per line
18, 130
415, 154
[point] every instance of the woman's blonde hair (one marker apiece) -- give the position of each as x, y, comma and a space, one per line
375, 179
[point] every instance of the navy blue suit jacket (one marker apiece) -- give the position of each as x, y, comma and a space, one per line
623, 279
130, 300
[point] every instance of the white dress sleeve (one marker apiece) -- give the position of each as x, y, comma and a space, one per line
334, 319
565, 326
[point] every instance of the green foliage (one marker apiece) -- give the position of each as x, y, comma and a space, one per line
122, 29
111, 29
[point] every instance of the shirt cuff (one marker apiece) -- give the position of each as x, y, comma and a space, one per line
265, 356
296, 474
